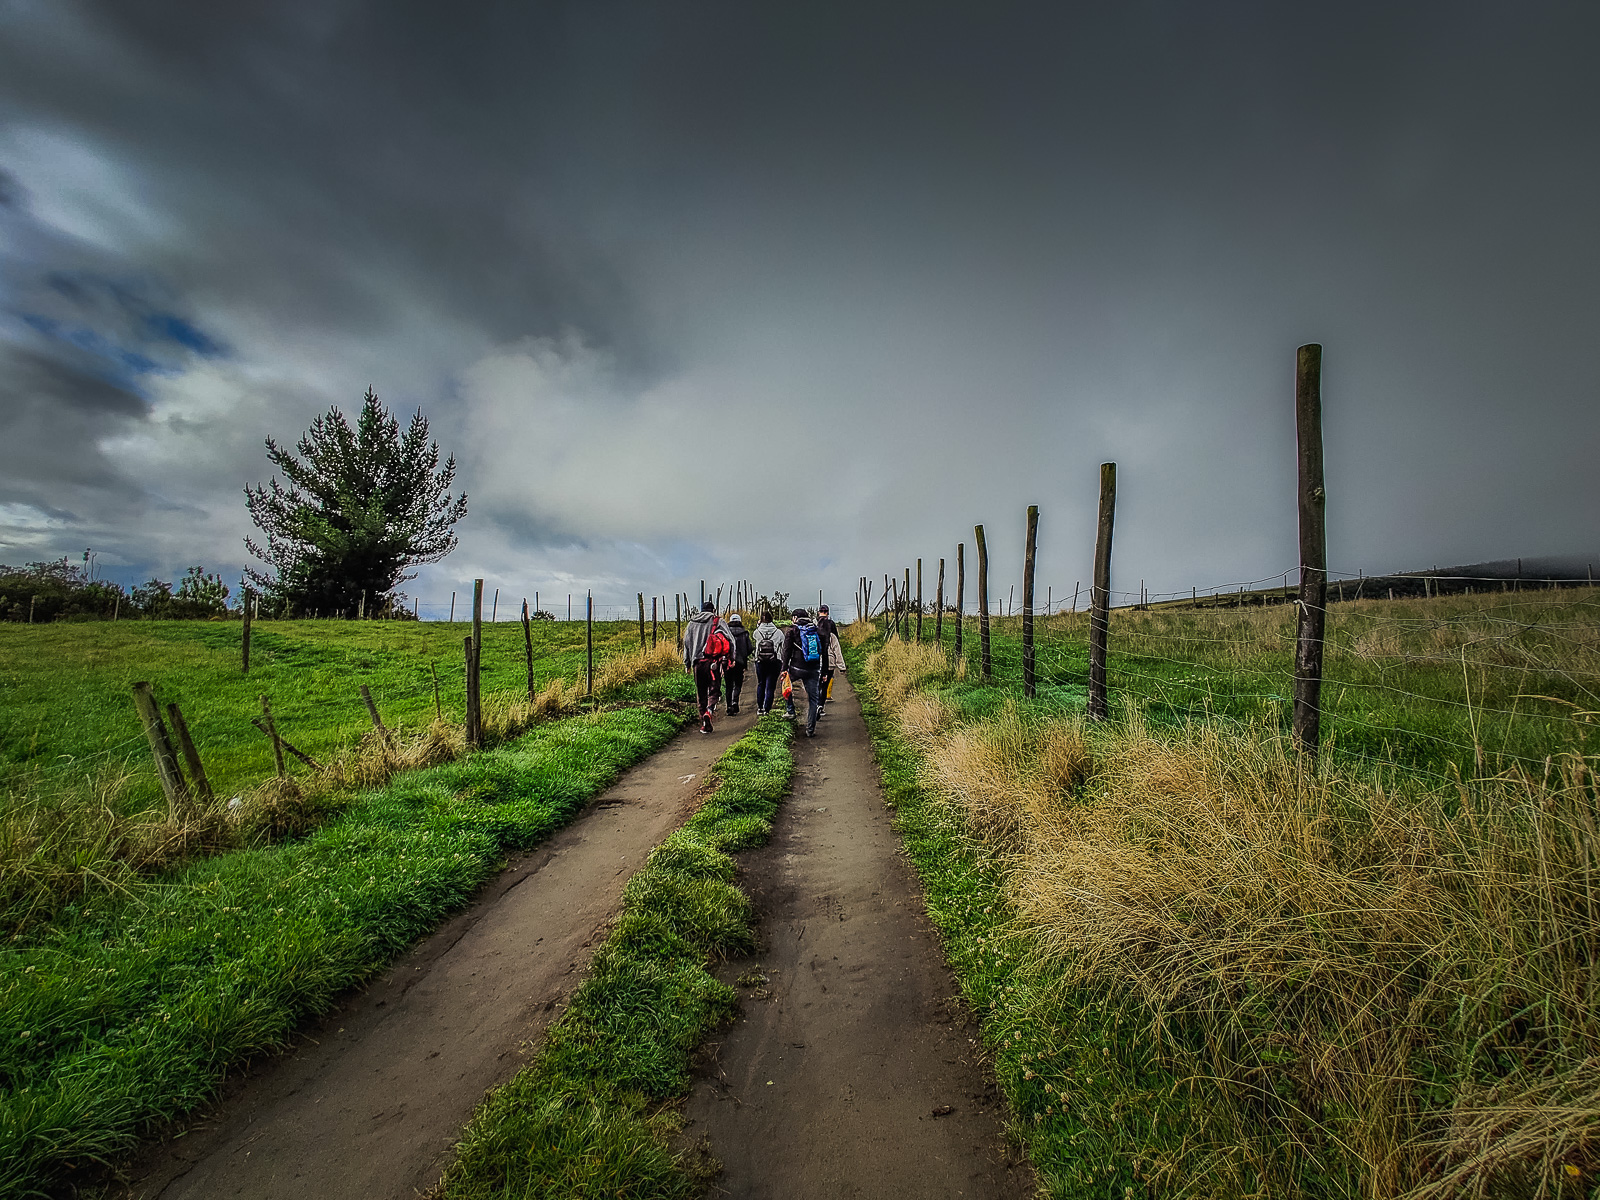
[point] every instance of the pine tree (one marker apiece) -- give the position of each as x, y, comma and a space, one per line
362, 504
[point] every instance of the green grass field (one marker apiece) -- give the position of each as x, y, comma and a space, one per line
66, 708
1458, 682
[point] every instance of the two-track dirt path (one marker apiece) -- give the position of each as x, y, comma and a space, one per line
371, 1103
854, 1070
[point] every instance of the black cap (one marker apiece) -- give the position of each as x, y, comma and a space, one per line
709, 606
798, 612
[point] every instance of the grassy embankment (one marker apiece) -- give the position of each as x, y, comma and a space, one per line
1204, 972
591, 1115
81, 810
129, 1008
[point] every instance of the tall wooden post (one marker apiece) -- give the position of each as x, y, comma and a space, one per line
475, 669
244, 638
588, 633
191, 756
677, 616
653, 622
919, 600
938, 605
1313, 550
641, 620
985, 666
1027, 601
1100, 594
527, 646
905, 607
961, 593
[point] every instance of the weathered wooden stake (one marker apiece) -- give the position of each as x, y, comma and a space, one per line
641, 620
494, 606
438, 708
1313, 551
475, 669
244, 637
938, 605
272, 732
172, 782
288, 746
1027, 601
452, 608
191, 756
919, 600
985, 668
653, 622
961, 593
1100, 594
588, 635
372, 711
1075, 586
527, 647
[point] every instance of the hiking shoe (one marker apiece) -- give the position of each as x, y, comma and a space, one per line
705, 724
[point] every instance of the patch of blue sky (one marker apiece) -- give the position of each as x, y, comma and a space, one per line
170, 327
93, 343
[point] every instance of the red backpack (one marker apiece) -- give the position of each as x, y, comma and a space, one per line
718, 649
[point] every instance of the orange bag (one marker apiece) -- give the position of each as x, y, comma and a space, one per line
788, 686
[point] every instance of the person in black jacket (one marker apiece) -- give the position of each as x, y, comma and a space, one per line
733, 681
829, 631
803, 654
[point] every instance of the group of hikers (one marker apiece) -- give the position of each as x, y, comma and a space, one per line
804, 653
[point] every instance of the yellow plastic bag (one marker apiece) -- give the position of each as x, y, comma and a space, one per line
788, 686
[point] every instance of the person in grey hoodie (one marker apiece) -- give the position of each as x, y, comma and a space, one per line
700, 661
769, 646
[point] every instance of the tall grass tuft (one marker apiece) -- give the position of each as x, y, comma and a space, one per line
1383, 985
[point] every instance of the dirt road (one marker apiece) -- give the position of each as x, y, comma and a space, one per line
853, 1072
371, 1103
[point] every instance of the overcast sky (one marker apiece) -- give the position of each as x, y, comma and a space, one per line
798, 293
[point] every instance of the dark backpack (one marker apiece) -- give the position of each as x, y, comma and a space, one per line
767, 646
810, 644
718, 649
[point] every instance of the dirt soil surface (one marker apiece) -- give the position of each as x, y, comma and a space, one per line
371, 1103
855, 1069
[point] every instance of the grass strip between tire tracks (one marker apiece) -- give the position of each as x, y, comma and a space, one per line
129, 1011
588, 1117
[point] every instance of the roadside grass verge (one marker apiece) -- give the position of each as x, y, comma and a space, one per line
1203, 971
590, 1116
129, 1008
64, 835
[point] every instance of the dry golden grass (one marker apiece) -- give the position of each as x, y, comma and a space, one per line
620, 670
1347, 955
857, 632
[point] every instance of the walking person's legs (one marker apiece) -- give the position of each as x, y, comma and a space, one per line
813, 702
705, 690
735, 686
766, 686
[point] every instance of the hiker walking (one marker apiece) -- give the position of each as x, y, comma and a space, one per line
830, 638
768, 641
707, 650
741, 655
802, 658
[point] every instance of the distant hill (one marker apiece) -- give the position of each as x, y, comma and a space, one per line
1561, 570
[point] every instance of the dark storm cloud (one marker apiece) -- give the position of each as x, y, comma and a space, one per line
974, 252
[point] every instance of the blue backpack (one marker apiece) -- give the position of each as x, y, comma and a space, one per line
810, 644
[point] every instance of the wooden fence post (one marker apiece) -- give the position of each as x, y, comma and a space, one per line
438, 707
475, 669
919, 600
272, 732
652, 622
985, 667
191, 756
372, 711
452, 608
172, 782
527, 646
1100, 594
961, 593
641, 620
1313, 550
1027, 601
244, 637
588, 635
938, 604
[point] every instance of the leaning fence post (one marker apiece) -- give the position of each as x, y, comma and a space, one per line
1100, 594
938, 604
1313, 550
272, 732
191, 756
1027, 601
983, 604
372, 711
172, 782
